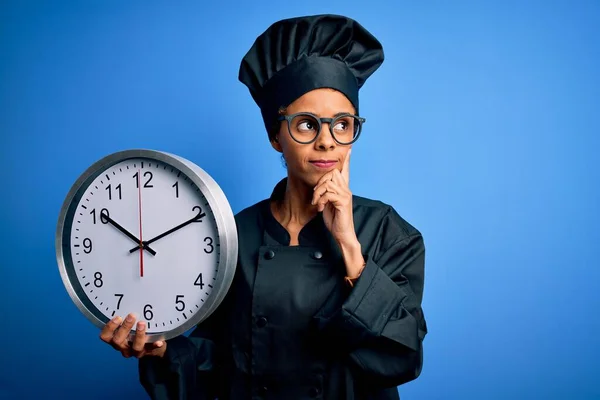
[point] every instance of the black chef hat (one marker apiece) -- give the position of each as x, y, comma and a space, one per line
297, 55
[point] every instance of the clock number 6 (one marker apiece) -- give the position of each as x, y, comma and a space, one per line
179, 302
148, 312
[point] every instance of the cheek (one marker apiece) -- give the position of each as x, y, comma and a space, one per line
292, 153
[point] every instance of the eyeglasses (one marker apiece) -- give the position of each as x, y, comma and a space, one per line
305, 127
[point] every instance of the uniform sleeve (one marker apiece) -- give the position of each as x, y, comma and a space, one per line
188, 368
379, 323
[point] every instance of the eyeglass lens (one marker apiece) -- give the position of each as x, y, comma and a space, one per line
305, 127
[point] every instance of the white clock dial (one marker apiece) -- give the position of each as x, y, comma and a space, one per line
141, 237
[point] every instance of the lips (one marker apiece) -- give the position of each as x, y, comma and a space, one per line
323, 163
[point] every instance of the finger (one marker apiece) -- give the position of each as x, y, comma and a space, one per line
346, 167
327, 177
325, 187
153, 347
126, 352
106, 334
120, 337
333, 198
339, 180
140, 339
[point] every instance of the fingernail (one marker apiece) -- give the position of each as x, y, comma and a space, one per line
159, 344
117, 319
130, 318
141, 326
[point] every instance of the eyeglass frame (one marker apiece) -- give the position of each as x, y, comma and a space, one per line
320, 121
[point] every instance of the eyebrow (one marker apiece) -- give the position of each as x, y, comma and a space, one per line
334, 116
341, 113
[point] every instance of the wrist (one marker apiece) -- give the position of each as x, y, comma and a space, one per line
353, 257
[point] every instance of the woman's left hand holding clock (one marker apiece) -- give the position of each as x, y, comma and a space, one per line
116, 333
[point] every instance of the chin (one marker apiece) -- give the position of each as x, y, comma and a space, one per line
309, 178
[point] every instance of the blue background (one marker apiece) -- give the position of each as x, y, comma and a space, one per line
482, 132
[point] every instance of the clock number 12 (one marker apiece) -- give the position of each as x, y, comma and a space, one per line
148, 174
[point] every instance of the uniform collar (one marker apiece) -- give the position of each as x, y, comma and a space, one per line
314, 233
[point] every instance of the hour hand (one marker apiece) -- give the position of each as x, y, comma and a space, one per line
104, 216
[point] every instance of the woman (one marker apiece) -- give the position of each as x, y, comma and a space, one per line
326, 301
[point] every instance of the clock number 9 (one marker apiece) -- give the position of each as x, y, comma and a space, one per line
87, 245
148, 312
179, 302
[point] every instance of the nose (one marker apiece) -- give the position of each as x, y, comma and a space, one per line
325, 140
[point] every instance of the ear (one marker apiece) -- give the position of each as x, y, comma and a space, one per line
275, 144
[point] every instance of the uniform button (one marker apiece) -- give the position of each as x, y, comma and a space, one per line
262, 391
261, 322
313, 392
269, 255
317, 255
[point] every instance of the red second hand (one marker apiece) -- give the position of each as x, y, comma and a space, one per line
140, 219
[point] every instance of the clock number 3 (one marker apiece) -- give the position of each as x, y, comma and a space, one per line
209, 244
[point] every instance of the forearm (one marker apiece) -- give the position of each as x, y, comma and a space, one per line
353, 258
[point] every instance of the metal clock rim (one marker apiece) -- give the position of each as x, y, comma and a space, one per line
224, 218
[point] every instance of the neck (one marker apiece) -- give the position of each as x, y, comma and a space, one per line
295, 208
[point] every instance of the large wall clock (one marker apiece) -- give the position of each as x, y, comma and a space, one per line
147, 232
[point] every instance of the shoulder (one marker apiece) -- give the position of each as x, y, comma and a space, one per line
251, 216
383, 216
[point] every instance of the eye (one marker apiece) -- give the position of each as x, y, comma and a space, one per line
306, 126
342, 126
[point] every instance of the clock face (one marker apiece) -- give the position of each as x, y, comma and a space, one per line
140, 236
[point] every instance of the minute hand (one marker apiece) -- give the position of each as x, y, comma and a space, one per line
162, 235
